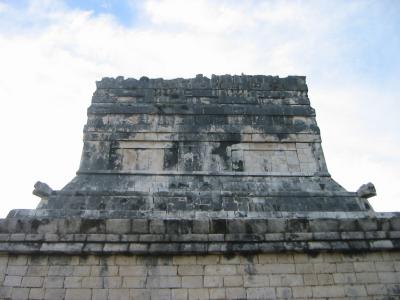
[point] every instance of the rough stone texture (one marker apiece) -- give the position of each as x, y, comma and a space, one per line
363, 275
201, 189
227, 144
297, 233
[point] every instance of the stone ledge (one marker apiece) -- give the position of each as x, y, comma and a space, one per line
194, 215
347, 225
242, 82
185, 248
186, 236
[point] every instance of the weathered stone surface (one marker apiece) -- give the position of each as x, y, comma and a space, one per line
264, 276
201, 189
366, 190
230, 143
42, 190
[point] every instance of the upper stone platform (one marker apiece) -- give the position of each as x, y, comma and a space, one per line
235, 145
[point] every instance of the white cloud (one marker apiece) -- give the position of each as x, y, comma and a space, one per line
3, 7
48, 72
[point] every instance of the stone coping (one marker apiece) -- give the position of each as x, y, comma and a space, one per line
199, 236
192, 214
244, 82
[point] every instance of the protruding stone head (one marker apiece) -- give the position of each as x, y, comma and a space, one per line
366, 190
42, 190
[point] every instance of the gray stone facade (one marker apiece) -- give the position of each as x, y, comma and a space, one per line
362, 276
227, 144
201, 189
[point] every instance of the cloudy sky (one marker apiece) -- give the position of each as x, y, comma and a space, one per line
53, 51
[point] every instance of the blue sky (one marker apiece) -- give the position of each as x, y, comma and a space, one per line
124, 11
52, 52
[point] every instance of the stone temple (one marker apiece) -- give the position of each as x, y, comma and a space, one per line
201, 189
229, 145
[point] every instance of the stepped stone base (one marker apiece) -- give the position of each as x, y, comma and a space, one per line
333, 256
372, 275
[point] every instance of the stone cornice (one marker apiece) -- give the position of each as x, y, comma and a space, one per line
199, 236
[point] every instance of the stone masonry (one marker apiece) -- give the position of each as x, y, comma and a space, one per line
201, 189
372, 275
238, 144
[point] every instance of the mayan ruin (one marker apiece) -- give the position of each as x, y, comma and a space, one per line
201, 188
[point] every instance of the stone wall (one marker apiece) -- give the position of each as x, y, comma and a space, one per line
201, 188
335, 256
227, 143
372, 275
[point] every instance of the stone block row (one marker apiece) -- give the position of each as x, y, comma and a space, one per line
264, 276
345, 228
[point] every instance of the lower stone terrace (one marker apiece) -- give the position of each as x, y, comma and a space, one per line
365, 275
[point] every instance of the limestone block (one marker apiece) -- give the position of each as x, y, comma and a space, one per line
163, 282
387, 277
11, 280
18, 260
61, 270
16, 270
367, 277
118, 226
52, 282
286, 280
140, 226
162, 270
179, 294
233, 281
73, 282
112, 282
355, 291
74, 294
102, 270
118, 294
54, 294
345, 267
217, 293
213, 281
364, 266
342, 278
284, 292
261, 293
192, 282
302, 292
99, 294
325, 279
207, 259
325, 268
198, 294
36, 293
132, 270
304, 268
376, 289
37, 270
20, 293
124, 260
32, 281
190, 270
328, 291
256, 280
132, 282
184, 260
220, 270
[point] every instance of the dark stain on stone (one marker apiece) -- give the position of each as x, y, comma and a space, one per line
88, 225
171, 156
238, 166
221, 150
36, 223
219, 226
